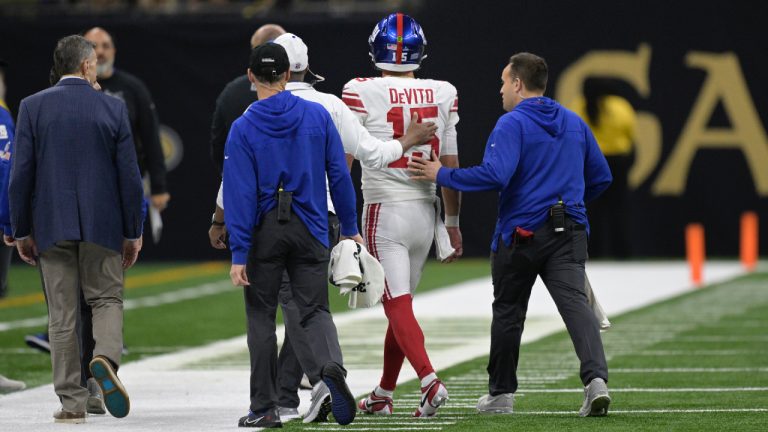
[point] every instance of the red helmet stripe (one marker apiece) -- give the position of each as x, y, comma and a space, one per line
399, 54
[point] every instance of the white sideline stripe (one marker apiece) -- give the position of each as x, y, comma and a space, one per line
169, 297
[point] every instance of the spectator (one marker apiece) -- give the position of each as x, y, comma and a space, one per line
141, 113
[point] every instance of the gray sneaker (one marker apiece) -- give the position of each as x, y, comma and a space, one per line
499, 404
287, 413
8, 385
95, 402
596, 399
320, 404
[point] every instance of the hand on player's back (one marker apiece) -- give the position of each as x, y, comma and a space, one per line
417, 133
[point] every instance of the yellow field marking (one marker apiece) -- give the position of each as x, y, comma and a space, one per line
177, 274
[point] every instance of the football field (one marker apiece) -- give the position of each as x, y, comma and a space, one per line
679, 359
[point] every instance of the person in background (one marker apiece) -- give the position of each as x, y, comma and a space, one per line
6, 148
545, 163
237, 95
276, 158
78, 210
295, 354
614, 122
142, 114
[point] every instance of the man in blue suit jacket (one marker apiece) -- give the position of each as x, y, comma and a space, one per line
76, 204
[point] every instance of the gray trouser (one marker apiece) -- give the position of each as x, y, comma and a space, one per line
295, 357
68, 267
559, 259
279, 247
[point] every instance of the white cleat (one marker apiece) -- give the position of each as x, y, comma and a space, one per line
433, 396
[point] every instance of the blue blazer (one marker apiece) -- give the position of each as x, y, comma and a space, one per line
74, 174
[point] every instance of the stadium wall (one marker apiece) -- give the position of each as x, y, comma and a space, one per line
695, 73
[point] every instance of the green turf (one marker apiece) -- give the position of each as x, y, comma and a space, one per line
723, 326
169, 327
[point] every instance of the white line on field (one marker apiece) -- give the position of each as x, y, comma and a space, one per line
655, 390
653, 411
353, 428
687, 370
169, 297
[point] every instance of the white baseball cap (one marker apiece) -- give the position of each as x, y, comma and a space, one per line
297, 55
296, 49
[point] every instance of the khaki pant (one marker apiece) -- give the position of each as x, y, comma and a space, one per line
67, 267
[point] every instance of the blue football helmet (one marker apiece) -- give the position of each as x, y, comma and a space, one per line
397, 44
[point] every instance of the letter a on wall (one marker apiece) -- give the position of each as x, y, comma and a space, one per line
724, 83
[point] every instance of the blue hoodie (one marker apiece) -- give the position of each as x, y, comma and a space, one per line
285, 139
537, 152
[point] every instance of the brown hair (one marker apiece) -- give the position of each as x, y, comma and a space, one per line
531, 69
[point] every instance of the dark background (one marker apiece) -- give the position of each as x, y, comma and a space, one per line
187, 60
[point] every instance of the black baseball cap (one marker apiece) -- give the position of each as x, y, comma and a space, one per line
269, 59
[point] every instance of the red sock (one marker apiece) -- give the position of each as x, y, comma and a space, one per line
393, 361
408, 334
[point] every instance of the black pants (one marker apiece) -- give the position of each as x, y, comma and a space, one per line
559, 259
296, 358
279, 247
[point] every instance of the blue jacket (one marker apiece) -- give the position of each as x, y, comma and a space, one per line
285, 139
74, 174
537, 152
6, 149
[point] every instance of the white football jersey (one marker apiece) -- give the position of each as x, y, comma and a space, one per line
384, 106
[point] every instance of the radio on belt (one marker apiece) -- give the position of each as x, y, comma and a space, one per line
557, 212
284, 200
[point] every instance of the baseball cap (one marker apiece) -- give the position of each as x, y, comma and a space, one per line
297, 55
296, 50
268, 59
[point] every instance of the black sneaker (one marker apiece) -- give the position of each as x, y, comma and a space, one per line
38, 341
268, 419
343, 404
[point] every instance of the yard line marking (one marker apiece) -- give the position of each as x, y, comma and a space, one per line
688, 370
169, 297
353, 428
401, 422
653, 411
690, 353
654, 390
148, 279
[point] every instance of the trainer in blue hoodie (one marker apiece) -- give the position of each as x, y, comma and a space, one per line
276, 159
538, 154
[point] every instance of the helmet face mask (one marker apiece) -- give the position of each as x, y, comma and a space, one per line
397, 44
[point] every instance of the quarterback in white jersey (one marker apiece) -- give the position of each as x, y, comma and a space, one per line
400, 215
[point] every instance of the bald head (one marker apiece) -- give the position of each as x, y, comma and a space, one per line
105, 51
266, 33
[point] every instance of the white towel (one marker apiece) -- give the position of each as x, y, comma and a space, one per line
443, 248
357, 273
344, 266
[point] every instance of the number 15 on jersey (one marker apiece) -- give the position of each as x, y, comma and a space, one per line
397, 118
